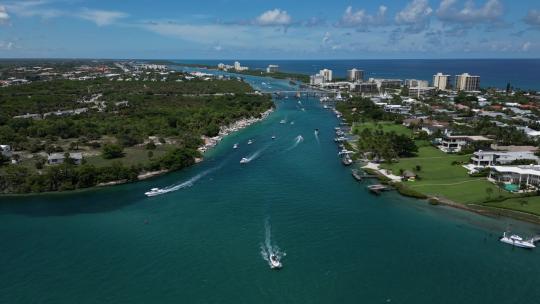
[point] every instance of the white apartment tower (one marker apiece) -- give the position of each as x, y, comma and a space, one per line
355, 75
468, 83
326, 74
441, 81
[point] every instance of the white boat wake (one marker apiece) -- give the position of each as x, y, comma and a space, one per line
190, 182
267, 249
297, 140
253, 156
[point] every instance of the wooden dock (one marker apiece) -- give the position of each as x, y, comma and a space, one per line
378, 188
359, 177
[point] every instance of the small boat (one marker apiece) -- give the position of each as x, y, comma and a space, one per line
516, 240
292, 122
153, 192
273, 137
244, 160
377, 189
346, 160
274, 262
235, 146
317, 131
250, 142
283, 121
325, 107
356, 175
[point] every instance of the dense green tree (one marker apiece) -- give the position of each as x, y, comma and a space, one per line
111, 151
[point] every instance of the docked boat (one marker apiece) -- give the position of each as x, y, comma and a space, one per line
325, 107
244, 160
516, 240
154, 192
274, 262
356, 175
346, 160
250, 142
235, 146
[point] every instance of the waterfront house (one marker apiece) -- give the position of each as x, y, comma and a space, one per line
490, 158
455, 143
516, 177
58, 158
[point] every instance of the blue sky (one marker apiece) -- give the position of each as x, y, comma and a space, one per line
252, 29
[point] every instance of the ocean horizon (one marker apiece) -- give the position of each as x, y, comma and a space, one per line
520, 73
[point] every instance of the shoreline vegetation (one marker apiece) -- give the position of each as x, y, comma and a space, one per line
130, 124
432, 175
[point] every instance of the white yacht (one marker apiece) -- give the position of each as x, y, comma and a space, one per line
274, 262
153, 192
250, 142
516, 240
235, 146
244, 160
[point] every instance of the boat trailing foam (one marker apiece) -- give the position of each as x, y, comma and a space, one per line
271, 253
190, 182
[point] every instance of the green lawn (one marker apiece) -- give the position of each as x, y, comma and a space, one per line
386, 126
439, 177
528, 204
133, 156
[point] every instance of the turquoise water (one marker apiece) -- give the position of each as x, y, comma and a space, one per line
202, 243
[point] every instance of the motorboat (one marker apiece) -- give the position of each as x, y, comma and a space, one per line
274, 262
153, 192
244, 160
250, 142
283, 121
516, 240
325, 107
346, 160
316, 131
235, 146
273, 137
292, 122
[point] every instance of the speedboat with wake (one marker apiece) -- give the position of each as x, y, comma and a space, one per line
274, 262
317, 131
244, 160
516, 240
154, 192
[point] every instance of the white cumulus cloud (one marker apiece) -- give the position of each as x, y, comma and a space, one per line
533, 18
361, 18
415, 15
275, 17
491, 11
101, 17
4, 16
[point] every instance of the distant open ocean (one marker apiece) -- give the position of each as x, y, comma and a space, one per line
521, 73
